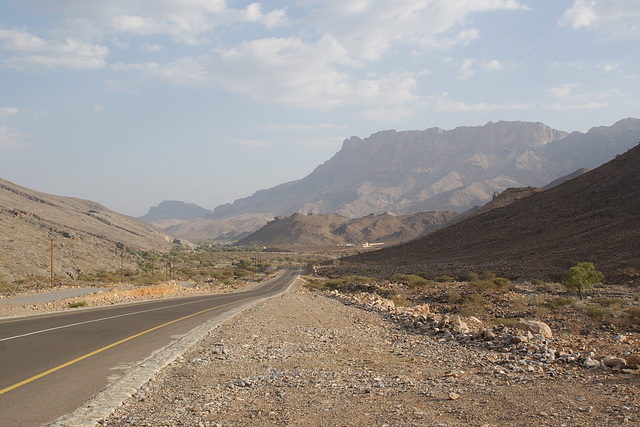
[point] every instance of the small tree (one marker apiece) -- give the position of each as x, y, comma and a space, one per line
582, 277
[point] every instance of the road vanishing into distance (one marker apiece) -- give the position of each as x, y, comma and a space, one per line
52, 364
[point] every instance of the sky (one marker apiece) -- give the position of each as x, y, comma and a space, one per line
132, 102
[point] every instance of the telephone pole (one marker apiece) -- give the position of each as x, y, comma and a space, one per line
51, 262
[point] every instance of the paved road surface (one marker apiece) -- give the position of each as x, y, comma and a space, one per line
52, 364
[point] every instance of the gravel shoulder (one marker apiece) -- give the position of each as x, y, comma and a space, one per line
308, 358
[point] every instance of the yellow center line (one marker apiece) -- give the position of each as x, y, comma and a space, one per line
100, 350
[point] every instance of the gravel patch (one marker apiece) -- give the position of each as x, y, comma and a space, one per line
309, 359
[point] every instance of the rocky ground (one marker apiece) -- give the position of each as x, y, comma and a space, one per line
320, 358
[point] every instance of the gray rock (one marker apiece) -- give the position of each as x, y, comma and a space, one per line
535, 327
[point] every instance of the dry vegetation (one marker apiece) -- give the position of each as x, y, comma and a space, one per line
499, 301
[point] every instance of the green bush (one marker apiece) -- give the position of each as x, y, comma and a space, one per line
399, 300
595, 312
443, 279
607, 302
582, 277
77, 304
412, 280
508, 322
559, 302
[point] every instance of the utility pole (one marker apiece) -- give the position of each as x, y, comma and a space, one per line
51, 262
121, 264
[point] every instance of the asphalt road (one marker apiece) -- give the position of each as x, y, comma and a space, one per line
52, 364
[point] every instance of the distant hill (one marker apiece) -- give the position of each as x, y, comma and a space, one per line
437, 170
593, 217
322, 230
172, 209
86, 235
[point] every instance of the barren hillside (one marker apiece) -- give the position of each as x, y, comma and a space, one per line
86, 235
319, 230
594, 217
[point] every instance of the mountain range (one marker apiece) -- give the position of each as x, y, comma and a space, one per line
594, 217
417, 171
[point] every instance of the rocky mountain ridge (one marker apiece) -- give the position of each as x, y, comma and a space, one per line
438, 170
593, 217
325, 229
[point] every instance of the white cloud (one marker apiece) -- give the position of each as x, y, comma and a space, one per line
32, 51
565, 91
151, 47
570, 107
613, 19
9, 139
186, 21
493, 65
466, 71
8, 111
97, 108
445, 105
581, 14
369, 29
610, 66
573, 99
288, 71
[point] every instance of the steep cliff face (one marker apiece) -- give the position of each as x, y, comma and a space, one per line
438, 170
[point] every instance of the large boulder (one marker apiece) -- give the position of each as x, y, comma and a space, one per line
535, 327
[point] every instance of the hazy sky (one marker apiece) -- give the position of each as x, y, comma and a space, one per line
131, 102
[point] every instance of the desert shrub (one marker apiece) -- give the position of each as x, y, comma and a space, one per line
77, 304
5, 285
334, 284
510, 276
399, 300
581, 277
607, 302
473, 305
468, 277
547, 287
595, 312
453, 297
474, 299
315, 284
486, 275
508, 322
497, 284
559, 302
359, 280
633, 314
537, 282
412, 280
443, 279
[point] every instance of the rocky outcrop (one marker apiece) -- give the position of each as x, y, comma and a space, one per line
172, 209
318, 230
